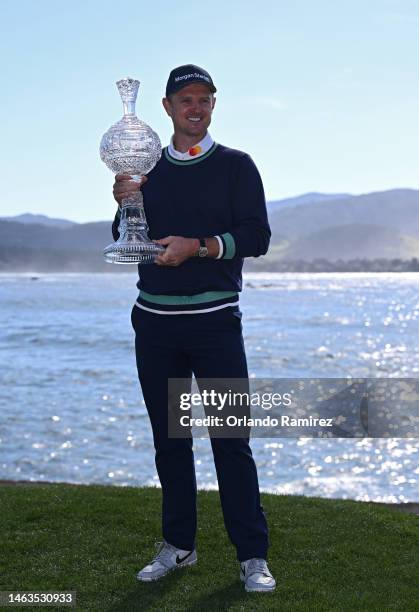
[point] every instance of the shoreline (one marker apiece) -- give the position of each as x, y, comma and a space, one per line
36, 274
406, 507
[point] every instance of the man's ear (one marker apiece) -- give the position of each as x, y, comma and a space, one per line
214, 100
167, 106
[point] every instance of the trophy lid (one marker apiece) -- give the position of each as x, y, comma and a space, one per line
128, 89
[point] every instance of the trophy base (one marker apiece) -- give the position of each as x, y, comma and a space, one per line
140, 253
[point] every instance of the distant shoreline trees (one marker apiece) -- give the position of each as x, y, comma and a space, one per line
22, 259
324, 265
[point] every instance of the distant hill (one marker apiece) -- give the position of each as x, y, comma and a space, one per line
353, 241
30, 219
77, 237
323, 228
273, 206
397, 209
307, 198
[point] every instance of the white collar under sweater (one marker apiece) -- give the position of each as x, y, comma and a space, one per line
204, 145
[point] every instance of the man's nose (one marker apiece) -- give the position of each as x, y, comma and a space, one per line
197, 107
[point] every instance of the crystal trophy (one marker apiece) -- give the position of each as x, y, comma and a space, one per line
131, 147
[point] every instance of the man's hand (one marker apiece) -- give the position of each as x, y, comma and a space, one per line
125, 186
178, 250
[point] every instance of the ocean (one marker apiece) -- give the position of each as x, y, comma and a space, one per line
71, 407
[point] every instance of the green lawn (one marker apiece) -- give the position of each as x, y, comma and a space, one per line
329, 555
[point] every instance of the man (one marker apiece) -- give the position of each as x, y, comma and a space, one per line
205, 203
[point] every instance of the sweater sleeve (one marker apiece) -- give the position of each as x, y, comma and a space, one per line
115, 224
250, 233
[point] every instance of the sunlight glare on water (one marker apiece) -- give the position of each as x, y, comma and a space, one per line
72, 408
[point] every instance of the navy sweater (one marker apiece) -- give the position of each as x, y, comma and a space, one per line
219, 193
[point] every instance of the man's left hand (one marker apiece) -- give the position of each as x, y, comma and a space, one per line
178, 250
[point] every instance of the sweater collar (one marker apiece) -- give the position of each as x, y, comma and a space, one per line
201, 147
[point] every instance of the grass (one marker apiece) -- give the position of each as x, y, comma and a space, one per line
327, 555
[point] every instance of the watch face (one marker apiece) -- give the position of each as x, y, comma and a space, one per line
203, 252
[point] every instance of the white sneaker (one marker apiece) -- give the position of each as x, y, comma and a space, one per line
167, 559
256, 576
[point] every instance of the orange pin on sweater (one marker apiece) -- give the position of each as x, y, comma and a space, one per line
195, 150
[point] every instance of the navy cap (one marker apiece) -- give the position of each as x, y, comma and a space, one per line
185, 75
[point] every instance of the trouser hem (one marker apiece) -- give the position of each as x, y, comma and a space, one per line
177, 544
254, 555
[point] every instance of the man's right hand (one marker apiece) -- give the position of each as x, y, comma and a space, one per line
124, 186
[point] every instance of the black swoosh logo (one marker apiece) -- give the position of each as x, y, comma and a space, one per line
182, 559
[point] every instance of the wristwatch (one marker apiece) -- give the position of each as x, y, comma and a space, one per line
203, 249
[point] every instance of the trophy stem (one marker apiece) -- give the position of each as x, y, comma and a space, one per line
134, 244
133, 210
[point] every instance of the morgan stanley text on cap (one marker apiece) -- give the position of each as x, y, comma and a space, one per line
185, 75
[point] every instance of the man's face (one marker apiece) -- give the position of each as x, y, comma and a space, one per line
191, 109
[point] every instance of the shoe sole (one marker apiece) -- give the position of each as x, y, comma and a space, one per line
249, 590
172, 569
261, 590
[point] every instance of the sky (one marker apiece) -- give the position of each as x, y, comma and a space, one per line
324, 95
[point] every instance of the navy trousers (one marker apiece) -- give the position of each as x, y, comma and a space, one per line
209, 345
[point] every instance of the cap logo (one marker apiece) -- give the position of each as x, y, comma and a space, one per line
193, 75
